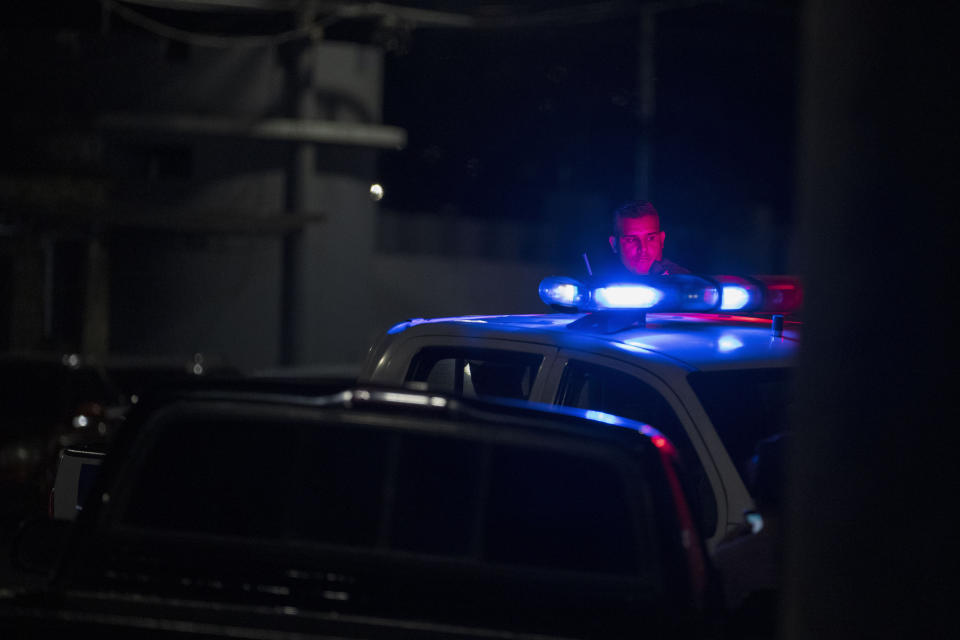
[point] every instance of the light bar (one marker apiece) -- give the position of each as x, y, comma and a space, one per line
678, 294
656, 293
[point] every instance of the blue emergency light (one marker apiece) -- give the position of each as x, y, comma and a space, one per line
677, 293
627, 296
562, 292
733, 298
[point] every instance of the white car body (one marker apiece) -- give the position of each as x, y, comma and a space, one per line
661, 355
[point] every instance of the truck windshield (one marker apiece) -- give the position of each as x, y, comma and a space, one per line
745, 406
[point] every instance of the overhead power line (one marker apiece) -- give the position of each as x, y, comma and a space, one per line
389, 14
311, 31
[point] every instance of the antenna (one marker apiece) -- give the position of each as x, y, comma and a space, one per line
587, 261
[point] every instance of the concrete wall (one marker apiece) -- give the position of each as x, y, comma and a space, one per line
179, 252
179, 292
355, 273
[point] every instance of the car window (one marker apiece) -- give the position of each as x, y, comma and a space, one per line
745, 406
476, 372
590, 386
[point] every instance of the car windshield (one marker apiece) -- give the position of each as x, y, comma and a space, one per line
745, 406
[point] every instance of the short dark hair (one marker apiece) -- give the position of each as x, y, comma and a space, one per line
633, 209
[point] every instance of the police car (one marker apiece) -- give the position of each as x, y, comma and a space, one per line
707, 360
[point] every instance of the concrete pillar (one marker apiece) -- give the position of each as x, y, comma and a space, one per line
872, 546
336, 325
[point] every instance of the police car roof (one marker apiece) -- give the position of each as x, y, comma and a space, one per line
699, 341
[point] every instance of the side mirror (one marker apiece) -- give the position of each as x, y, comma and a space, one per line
38, 543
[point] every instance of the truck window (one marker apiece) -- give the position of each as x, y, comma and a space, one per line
436, 505
368, 487
557, 510
589, 386
323, 484
207, 477
476, 372
340, 485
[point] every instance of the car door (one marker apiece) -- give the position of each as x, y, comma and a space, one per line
588, 381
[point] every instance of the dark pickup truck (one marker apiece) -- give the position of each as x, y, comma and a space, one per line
377, 514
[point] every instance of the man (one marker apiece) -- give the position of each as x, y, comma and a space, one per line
638, 240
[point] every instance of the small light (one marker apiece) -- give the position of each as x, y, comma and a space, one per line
134, 399
80, 422
376, 192
72, 360
197, 369
659, 441
627, 296
734, 298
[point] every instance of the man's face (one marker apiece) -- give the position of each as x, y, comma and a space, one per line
640, 243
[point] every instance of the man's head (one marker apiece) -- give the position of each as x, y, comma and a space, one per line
637, 237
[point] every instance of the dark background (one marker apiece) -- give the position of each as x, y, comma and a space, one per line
524, 132
860, 102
